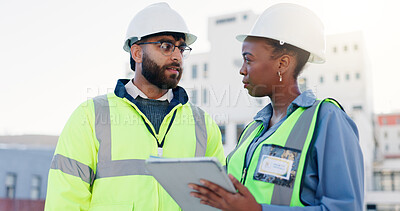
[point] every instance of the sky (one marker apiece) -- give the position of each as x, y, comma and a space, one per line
55, 54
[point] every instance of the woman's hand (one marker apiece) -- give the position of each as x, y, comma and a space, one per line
214, 195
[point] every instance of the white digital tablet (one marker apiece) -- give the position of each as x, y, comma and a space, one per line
174, 175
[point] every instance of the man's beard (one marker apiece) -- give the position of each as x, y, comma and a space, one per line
156, 74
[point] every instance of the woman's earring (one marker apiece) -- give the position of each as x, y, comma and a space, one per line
280, 76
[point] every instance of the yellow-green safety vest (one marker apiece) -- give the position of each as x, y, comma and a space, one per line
276, 167
99, 160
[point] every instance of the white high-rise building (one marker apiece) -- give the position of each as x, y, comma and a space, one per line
213, 81
346, 77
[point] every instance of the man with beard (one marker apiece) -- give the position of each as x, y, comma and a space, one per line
99, 160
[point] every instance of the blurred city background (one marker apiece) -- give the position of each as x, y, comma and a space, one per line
56, 54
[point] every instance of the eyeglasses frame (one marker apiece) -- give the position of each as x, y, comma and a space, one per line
187, 48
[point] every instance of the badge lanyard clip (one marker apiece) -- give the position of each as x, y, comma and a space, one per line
160, 151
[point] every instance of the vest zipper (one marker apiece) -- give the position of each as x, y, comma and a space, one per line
245, 167
244, 170
243, 175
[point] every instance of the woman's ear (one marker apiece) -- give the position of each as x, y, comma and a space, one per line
137, 53
287, 63
284, 63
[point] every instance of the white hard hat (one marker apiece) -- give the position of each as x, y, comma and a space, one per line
153, 19
292, 24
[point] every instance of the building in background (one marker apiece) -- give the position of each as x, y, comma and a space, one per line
386, 171
388, 132
24, 166
213, 81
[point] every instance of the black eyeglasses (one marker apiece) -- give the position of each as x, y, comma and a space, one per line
168, 48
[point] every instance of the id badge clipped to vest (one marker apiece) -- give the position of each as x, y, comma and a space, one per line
277, 165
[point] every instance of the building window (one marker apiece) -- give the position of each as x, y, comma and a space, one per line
194, 71
334, 49
385, 135
396, 181
386, 148
194, 96
11, 181
244, 17
345, 48
35, 187
384, 121
239, 130
222, 129
386, 181
358, 76
226, 20
398, 120
357, 107
336, 77
371, 207
303, 84
205, 96
205, 70
347, 77
355, 47
321, 79
377, 181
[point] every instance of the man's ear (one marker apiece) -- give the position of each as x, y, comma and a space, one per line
137, 53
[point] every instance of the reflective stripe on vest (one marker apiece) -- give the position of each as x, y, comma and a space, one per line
246, 134
105, 166
72, 167
200, 130
112, 168
297, 137
103, 127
